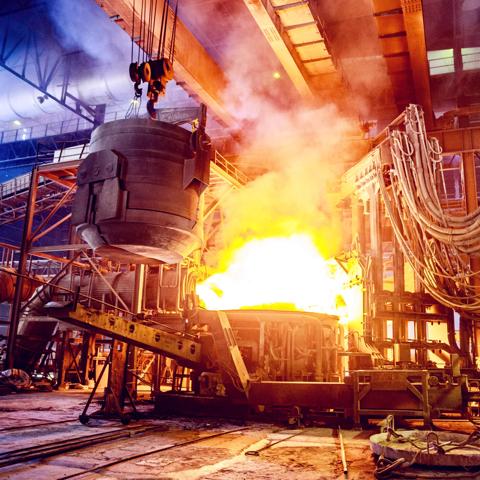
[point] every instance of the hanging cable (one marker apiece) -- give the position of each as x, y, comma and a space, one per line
152, 37
164, 31
148, 29
160, 33
434, 241
142, 28
174, 32
158, 71
133, 32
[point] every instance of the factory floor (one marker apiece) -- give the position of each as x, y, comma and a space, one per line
182, 448
313, 453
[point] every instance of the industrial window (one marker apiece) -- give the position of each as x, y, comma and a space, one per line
389, 332
441, 61
471, 58
450, 185
477, 173
411, 330
413, 355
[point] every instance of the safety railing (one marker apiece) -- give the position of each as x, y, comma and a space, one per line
21, 184
14, 186
53, 128
229, 168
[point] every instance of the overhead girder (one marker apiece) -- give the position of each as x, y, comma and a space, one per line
298, 39
402, 34
271, 27
42, 68
193, 65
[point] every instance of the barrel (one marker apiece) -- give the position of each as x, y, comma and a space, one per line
137, 199
8, 280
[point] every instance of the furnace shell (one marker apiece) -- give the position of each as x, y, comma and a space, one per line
139, 197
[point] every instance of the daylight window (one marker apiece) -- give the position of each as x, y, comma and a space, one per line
441, 61
471, 58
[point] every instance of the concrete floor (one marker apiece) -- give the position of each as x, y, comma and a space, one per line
313, 454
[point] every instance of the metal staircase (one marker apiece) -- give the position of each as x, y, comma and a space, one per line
14, 192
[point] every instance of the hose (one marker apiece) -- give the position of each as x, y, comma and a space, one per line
433, 241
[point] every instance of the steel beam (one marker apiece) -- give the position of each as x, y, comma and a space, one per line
321, 395
417, 47
193, 65
376, 253
234, 351
185, 350
114, 394
39, 252
21, 270
46, 71
268, 22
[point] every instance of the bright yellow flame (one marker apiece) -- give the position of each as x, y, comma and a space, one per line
287, 273
276, 75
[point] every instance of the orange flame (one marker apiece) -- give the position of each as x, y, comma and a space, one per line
287, 273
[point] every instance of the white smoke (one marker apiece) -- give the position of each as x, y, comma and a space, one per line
303, 146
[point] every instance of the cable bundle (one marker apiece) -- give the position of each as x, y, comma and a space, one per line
155, 69
436, 243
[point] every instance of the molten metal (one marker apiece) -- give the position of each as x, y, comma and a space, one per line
286, 273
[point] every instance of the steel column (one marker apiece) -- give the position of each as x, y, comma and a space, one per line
417, 47
399, 323
375, 231
88, 350
114, 393
467, 328
138, 299
21, 270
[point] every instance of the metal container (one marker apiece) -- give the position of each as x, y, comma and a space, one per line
7, 285
139, 197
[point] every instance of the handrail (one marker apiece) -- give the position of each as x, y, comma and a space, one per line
50, 129
229, 168
21, 183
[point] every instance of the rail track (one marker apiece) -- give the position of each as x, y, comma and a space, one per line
112, 463
151, 452
58, 447
44, 450
33, 425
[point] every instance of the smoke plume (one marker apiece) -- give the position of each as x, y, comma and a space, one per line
301, 146
84, 26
